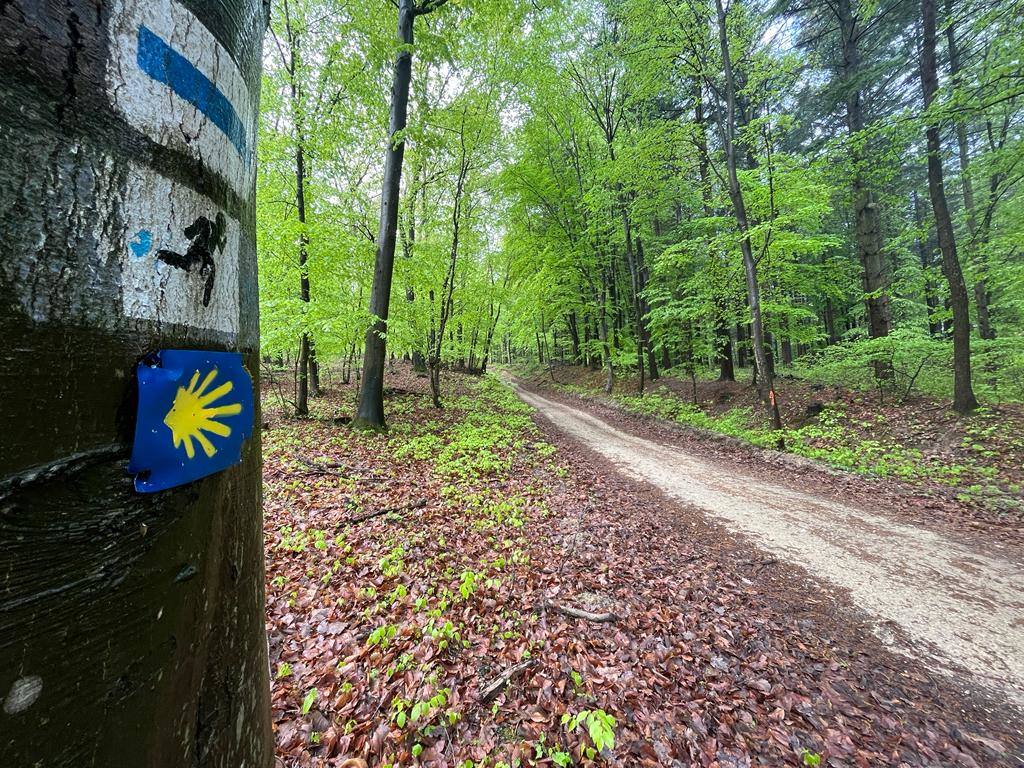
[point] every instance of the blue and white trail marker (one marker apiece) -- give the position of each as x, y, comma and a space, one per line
195, 413
170, 78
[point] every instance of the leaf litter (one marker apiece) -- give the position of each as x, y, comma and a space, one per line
475, 526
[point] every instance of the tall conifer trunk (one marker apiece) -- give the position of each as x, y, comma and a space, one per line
870, 247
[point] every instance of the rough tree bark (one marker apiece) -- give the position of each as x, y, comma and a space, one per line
964, 400
370, 412
133, 626
870, 245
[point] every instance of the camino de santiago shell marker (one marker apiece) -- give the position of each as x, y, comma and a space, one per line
130, 528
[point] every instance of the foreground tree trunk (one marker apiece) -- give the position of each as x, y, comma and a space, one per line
964, 400
133, 625
370, 412
765, 383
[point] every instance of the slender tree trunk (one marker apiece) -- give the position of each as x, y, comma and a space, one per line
634, 277
487, 342
448, 288
574, 336
606, 348
723, 341
302, 390
370, 412
925, 249
964, 400
723, 347
645, 308
419, 363
766, 387
741, 345
976, 250
132, 625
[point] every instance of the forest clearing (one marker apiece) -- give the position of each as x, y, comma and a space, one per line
493, 384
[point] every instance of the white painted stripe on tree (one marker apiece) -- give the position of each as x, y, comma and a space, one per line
178, 253
170, 78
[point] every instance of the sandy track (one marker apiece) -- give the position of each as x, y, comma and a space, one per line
956, 606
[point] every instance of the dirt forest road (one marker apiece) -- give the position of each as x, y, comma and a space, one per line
955, 607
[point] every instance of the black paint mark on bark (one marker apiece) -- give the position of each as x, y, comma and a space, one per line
206, 238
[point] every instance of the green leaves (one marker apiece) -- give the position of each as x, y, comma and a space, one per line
600, 726
308, 700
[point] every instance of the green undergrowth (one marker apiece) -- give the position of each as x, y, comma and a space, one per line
429, 598
494, 425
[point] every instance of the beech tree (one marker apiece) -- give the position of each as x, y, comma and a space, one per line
133, 620
370, 413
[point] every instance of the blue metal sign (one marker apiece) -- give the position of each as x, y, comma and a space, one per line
195, 412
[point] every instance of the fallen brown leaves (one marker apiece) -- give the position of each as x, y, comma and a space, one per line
431, 635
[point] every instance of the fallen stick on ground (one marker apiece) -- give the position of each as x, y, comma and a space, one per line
419, 504
586, 615
492, 689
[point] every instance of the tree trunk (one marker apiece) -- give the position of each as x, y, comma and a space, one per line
981, 293
301, 372
302, 390
742, 336
866, 211
609, 382
723, 341
652, 360
765, 387
963, 391
925, 249
314, 370
448, 288
574, 336
786, 345
634, 277
723, 351
370, 412
132, 624
489, 339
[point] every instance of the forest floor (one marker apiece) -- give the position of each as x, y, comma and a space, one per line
421, 586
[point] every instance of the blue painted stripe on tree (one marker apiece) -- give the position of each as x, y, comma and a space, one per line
165, 65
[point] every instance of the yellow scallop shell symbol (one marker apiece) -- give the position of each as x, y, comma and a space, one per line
193, 414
